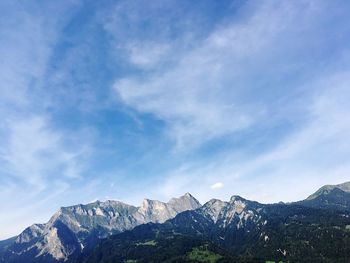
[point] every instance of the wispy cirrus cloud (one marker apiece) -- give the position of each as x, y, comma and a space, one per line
30, 141
244, 97
33, 152
208, 92
311, 156
270, 70
38, 159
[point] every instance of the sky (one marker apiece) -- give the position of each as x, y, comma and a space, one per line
132, 99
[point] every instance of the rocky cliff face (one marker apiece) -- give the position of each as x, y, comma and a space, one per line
159, 212
324, 190
238, 224
237, 211
237, 230
73, 228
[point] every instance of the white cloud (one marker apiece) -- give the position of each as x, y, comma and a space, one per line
232, 79
27, 40
217, 185
148, 54
313, 155
270, 65
31, 148
33, 152
261, 67
38, 161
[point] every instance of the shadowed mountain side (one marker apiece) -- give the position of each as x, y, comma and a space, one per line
184, 231
75, 228
224, 231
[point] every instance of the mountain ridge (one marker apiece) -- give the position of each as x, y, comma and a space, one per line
327, 188
76, 230
73, 228
245, 231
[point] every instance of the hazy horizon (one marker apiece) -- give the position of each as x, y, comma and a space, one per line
141, 99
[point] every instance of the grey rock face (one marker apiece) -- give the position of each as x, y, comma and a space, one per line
73, 228
187, 202
328, 188
159, 212
237, 212
335, 199
30, 233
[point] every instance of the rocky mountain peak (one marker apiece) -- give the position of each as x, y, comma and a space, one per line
72, 228
238, 203
154, 211
326, 189
185, 202
237, 198
344, 187
147, 203
159, 212
30, 232
214, 208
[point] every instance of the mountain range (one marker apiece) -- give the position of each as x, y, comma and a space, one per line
316, 229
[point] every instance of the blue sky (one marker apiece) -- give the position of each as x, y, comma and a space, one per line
132, 99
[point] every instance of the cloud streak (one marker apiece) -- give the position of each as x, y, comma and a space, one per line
33, 152
207, 93
312, 156
267, 71
38, 160
214, 98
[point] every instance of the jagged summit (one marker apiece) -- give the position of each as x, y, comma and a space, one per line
213, 208
328, 188
159, 212
187, 201
72, 228
236, 198
344, 186
213, 201
184, 196
247, 230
